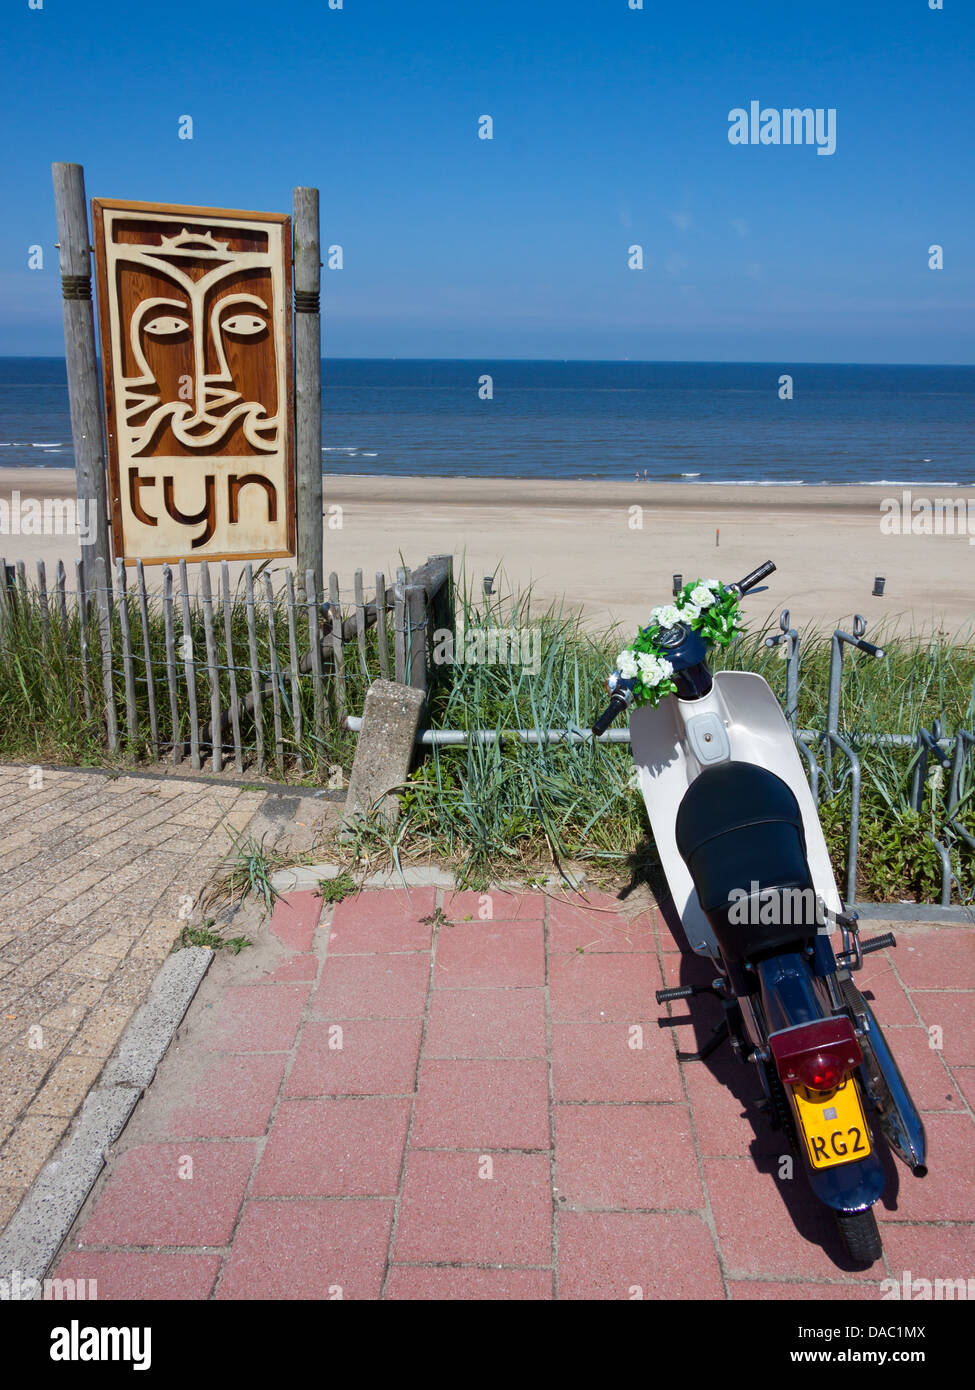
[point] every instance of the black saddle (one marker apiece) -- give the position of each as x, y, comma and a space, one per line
739, 830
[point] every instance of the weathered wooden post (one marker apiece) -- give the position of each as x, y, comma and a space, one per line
442, 602
79, 349
308, 383
416, 611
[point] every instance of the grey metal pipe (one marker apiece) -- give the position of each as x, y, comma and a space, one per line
790, 636
854, 841
945, 869
810, 758
459, 737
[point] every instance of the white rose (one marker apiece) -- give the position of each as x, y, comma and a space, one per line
714, 584
626, 664
690, 612
702, 596
653, 669
649, 669
667, 615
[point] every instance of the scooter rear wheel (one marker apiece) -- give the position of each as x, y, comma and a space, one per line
860, 1236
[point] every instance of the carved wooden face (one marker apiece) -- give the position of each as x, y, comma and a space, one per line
199, 354
198, 364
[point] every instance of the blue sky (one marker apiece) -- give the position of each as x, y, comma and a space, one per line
610, 129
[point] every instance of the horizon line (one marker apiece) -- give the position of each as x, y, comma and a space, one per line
634, 361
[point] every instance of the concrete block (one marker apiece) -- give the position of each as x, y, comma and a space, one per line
387, 740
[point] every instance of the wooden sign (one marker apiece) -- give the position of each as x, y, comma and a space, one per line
194, 307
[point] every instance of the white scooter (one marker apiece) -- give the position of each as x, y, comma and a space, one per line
739, 839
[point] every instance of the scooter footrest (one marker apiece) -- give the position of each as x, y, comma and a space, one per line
664, 996
878, 943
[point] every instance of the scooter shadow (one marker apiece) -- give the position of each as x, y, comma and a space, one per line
768, 1147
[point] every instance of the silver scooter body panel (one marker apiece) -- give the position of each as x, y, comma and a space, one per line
755, 731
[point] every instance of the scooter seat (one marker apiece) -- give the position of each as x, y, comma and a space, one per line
739, 830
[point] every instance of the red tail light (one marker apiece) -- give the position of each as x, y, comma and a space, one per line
820, 1071
817, 1054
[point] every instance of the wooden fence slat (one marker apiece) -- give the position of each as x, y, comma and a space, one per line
272, 642
296, 721
5, 614
338, 651
42, 598
169, 627
102, 582
213, 671
147, 659
381, 630
189, 668
128, 666
315, 653
255, 669
360, 624
416, 611
60, 600
81, 600
61, 608
441, 602
228, 633
22, 588
399, 631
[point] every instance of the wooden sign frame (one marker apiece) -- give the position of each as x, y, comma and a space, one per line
236, 386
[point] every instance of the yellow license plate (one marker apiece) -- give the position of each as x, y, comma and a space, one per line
832, 1124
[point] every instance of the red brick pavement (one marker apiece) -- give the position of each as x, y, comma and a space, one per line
486, 1108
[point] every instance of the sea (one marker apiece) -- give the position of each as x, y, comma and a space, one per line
694, 422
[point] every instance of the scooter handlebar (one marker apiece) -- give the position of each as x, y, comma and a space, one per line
615, 707
756, 577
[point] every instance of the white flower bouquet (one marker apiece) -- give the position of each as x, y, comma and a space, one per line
706, 606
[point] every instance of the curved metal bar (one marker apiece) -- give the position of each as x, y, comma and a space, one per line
834, 740
810, 758
946, 872
963, 741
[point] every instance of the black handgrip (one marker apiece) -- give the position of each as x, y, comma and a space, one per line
756, 577
878, 943
615, 707
869, 648
664, 996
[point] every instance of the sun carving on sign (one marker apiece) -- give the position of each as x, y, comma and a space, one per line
195, 340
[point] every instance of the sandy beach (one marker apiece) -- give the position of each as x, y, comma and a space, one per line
610, 550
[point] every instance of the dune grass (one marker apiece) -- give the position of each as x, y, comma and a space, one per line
509, 807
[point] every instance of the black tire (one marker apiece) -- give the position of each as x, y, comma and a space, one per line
860, 1236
